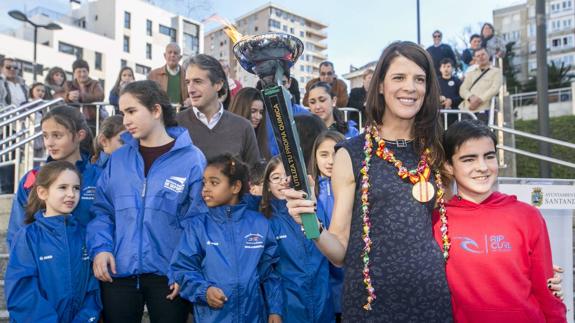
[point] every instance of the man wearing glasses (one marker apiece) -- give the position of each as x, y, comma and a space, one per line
327, 74
12, 87
439, 51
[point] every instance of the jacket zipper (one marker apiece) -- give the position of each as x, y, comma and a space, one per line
143, 210
234, 249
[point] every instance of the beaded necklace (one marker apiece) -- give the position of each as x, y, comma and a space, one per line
418, 176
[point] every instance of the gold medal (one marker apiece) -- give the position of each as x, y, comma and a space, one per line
423, 191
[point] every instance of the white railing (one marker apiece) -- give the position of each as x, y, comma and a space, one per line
530, 98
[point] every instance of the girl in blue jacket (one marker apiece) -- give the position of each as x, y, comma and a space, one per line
321, 164
224, 263
66, 137
49, 277
142, 201
304, 270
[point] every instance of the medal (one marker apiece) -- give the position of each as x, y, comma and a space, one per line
423, 191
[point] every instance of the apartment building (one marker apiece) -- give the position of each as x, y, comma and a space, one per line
517, 23
273, 18
108, 34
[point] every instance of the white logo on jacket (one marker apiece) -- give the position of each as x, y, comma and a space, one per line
48, 257
88, 193
175, 183
254, 241
212, 243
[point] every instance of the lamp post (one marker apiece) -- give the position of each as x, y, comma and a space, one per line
19, 15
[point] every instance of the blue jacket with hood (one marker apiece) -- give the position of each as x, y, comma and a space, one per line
90, 174
234, 249
49, 275
140, 219
325, 198
303, 268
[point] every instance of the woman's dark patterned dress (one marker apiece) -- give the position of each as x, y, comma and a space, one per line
407, 267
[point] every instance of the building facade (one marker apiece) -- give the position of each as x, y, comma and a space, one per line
108, 34
517, 23
273, 18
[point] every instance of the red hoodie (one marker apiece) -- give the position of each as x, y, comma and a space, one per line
499, 262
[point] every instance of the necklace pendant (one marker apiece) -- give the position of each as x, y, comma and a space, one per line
423, 191
401, 143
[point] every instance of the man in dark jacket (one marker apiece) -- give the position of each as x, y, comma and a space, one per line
358, 95
439, 51
449, 85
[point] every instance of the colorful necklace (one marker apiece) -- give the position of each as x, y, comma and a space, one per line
418, 176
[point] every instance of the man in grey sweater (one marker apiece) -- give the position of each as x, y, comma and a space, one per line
212, 129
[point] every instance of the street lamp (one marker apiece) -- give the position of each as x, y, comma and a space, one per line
19, 15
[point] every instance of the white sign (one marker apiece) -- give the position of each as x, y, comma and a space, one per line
545, 197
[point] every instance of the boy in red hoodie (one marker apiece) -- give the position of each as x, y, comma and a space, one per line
500, 256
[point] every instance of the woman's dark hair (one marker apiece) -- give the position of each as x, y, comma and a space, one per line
312, 167
150, 94
35, 85
112, 126
460, 132
427, 129
234, 169
73, 120
45, 177
116, 88
49, 78
267, 196
340, 124
216, 73
309, 126
241, 105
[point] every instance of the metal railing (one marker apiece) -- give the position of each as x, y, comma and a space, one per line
530, 98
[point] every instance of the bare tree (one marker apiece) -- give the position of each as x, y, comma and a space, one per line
196, 9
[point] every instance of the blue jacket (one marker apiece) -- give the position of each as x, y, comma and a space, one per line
325, 198
272, 143
90, 174
140, 219
234, 249
49, 276
304, 270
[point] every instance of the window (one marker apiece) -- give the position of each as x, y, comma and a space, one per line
256, 28
556, 42
274, 24
127, 20
143, 69
148, 27
70, 49
168, 31
285, 28
291, 31
301, 33
126, 44
98, 61
123, 63
149, 51
566, 5
191, 44
302, 68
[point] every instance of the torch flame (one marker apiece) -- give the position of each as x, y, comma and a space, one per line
229, 28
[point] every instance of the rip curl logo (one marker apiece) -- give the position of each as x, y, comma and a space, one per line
491, 244
88, 193
254, 241
175, 183
44, 258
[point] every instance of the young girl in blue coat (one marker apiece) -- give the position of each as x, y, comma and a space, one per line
321, 164
224, 263
142, 201
304, 270
66, 137
49, 277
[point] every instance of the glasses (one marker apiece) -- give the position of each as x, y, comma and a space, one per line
277, 179
326, 73
11, 67
436, 36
